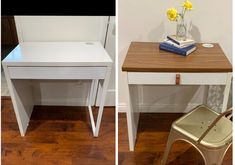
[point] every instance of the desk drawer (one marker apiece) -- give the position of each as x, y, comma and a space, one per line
57, 72
170, 78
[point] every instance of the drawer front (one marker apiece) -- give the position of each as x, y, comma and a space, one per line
184, 78
57, 72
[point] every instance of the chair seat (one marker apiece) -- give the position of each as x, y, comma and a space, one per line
195, 123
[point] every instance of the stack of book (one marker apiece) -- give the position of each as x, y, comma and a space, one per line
182, 47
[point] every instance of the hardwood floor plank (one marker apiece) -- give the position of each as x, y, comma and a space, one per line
57, 135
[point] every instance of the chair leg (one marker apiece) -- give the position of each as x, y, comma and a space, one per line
170, 141
214, 157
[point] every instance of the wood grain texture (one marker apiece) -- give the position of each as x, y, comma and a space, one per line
151, 142
147, 57
8, 31
57, 135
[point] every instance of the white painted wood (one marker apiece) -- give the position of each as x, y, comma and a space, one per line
226, 91
135, 109
61, 92
93, 92
71, 61
58, 54
185, 78
57, 72
69, 28
89, 97
132, 121
92, 120
22, 99
102, 101
24, 96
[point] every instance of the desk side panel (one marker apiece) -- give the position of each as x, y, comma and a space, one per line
22, 99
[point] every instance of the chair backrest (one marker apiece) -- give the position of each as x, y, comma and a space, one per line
227, 113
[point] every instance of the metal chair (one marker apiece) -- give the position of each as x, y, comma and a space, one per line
208, 131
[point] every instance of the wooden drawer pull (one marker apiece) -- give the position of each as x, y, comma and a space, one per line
177, 79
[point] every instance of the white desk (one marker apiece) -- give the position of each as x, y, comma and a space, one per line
55, 61
146, 64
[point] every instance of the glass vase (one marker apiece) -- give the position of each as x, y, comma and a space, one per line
181, 31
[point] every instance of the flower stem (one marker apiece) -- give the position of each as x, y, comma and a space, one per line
180, 23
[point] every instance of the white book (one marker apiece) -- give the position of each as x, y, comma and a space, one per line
176, 45
174, 39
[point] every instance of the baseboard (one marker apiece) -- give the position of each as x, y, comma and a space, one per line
166, 108
61, 102
122, 108
9, 98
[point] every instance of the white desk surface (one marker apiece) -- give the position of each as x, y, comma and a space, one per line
58, 54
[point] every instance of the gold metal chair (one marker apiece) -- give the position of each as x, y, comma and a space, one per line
208, 131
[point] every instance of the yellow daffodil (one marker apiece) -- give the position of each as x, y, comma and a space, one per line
188, 5
172, 14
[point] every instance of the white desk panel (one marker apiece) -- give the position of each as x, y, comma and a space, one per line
57, 72
166, 78
55, 60
58, 54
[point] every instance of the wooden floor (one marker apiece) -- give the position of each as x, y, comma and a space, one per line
151, 142
58, 136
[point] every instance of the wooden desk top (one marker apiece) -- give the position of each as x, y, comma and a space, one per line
147, 57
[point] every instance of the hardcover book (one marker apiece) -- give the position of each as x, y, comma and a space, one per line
174, 39
170, 42
182, 51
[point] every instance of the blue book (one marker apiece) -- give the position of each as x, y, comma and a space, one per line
182, 51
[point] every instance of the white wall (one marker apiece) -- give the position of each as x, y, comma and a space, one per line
66, 28
61, 28
140, 20
110, 47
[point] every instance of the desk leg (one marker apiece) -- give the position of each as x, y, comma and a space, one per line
130, 123
93, 92
91, 102
102, 100
132, 120
22, 99
226, 92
